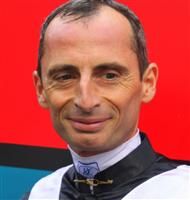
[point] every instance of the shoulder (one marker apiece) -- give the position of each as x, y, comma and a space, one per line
172, 184
49, 186
53, 177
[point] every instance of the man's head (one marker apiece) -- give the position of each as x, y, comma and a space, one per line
90, 77
81, 9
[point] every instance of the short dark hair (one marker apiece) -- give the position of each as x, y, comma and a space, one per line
85, 8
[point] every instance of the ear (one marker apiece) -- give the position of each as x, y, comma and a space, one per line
149, 81
42, 100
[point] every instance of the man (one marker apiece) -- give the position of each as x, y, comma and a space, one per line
93, 75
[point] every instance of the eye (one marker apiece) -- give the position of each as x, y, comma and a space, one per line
65, 77
110, 76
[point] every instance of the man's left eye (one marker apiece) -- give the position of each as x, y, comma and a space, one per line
110, 76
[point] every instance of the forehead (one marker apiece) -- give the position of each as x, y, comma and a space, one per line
106, 26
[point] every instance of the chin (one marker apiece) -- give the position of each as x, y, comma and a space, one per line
88, 146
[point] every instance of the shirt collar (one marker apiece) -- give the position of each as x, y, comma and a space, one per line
90, 166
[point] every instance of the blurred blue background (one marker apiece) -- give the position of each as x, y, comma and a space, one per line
15, 182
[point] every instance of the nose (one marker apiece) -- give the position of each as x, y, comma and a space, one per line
87, 97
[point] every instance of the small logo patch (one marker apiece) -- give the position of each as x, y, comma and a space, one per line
88, 170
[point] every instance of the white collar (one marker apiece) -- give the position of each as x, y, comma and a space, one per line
90, 166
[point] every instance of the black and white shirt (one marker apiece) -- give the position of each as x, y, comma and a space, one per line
142, 174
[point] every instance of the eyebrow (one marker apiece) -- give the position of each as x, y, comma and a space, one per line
112, 66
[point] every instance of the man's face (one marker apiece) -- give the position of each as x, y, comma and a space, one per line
91, 82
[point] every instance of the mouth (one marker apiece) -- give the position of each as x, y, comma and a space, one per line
88, 125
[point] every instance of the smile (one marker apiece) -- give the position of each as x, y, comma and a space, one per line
88, 125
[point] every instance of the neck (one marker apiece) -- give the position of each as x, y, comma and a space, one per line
89, 165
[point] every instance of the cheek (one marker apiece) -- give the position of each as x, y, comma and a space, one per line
56, 103
56, 99
127, 102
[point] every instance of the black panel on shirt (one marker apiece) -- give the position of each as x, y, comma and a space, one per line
140, 165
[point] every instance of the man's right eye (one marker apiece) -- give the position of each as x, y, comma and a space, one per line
64, 77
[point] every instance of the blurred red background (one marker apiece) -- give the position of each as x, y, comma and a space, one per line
166, 119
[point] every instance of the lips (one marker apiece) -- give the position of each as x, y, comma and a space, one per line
88, 124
